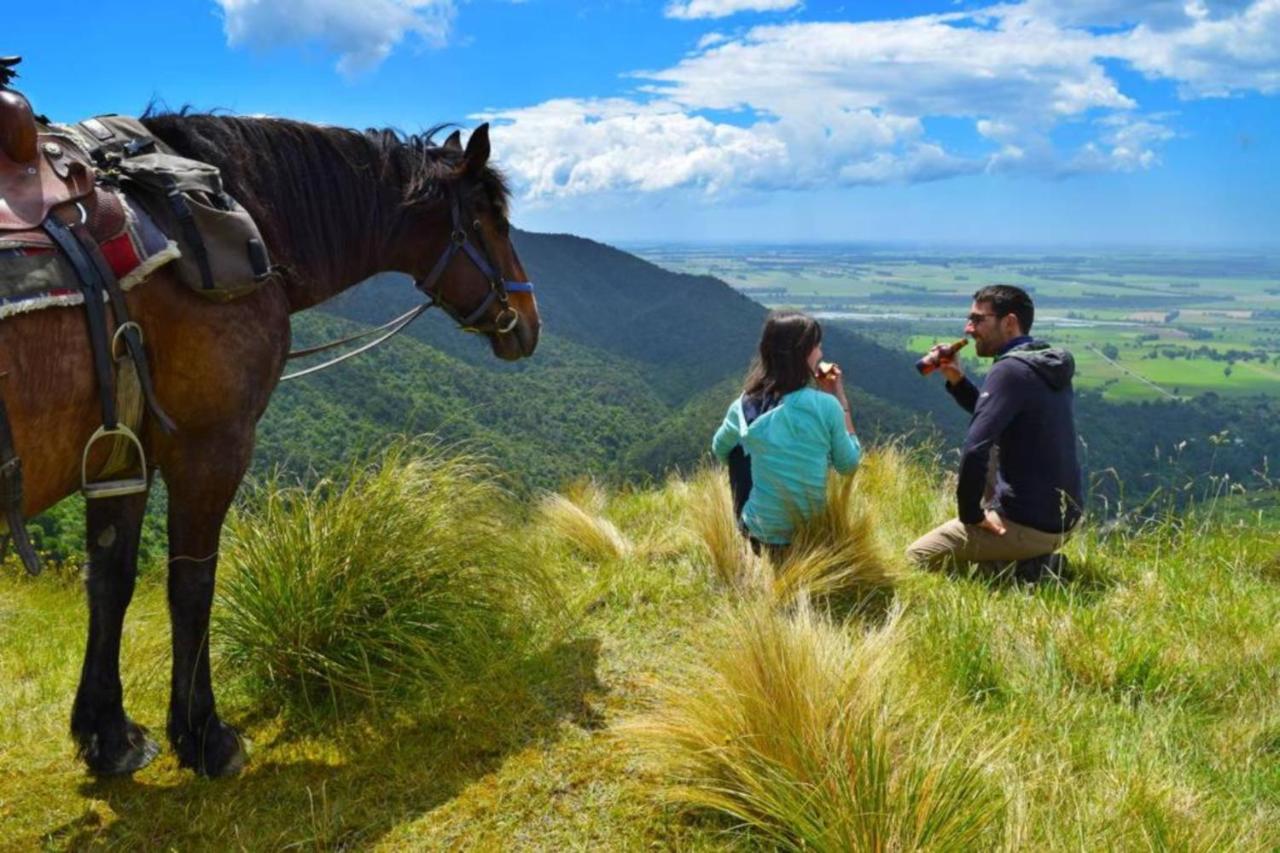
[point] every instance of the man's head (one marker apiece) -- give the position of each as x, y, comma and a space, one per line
1000, 313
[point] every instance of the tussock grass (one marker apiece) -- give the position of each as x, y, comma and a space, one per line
802, 734
403, 574
579, 520
710, 516
837, 555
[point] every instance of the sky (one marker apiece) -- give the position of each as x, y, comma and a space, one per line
1089, 124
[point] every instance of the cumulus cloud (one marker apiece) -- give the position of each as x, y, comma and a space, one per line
363, 34
692, 9
811, 104
1213, 56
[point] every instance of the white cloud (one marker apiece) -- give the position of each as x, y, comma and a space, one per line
801, 105
1213, 56
692, 9
362, 33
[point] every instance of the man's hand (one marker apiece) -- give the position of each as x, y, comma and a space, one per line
992, 523
948, 364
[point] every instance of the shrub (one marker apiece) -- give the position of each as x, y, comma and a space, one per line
399, 575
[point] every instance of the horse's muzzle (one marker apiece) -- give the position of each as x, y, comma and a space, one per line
521, 339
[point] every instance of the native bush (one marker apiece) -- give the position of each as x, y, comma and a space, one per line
402, 574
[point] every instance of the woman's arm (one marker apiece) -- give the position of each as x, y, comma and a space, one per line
846, 450
728, 435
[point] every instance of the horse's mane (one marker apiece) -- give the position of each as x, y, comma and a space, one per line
323, 187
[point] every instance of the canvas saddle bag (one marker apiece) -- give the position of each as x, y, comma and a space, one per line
223, 253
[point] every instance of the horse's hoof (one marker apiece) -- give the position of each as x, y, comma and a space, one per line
222, 752
236, 752
141, 751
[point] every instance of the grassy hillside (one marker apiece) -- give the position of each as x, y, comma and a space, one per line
671, 691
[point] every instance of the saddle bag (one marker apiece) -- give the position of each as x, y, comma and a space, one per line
223, 253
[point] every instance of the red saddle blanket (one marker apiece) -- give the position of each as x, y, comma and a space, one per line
33, 275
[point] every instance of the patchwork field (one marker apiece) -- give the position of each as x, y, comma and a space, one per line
1141, 325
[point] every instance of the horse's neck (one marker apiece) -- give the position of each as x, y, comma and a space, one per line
345, 259
328, 239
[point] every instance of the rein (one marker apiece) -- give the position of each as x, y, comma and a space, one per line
459, 240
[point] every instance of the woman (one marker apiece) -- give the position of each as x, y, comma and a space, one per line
792, 424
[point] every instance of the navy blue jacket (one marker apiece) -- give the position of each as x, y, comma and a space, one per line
1026, 409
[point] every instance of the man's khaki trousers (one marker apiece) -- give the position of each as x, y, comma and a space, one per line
960, 544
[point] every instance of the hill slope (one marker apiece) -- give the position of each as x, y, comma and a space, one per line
633, 372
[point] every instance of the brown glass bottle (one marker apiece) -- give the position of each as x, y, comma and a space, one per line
929, 363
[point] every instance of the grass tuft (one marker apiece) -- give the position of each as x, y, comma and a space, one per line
803, 734
400, 575
581, 523
710, 516
836, 555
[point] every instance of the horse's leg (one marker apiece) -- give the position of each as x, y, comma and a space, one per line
202, 477
109, 742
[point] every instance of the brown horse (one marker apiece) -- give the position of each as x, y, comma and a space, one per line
335, 206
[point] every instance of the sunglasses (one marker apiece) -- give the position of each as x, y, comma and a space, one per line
975, 319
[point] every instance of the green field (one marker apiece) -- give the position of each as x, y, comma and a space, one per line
1141, 325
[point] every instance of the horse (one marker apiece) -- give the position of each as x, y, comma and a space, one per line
335, 206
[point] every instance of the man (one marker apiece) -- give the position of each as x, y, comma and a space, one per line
1025, 410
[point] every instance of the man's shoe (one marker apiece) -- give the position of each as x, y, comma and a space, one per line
1036, 569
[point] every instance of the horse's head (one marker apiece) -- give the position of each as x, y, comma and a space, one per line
465, 261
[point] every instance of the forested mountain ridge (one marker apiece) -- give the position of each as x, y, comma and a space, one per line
633, 372
635, 367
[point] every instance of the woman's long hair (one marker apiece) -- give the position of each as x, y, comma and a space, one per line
782, 364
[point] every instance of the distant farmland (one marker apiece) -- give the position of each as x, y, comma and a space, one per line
1141, 325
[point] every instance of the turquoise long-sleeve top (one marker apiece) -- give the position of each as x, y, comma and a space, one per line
790, 448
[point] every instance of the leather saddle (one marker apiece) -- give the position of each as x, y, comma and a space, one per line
43, 172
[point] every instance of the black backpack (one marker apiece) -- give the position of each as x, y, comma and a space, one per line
739, 464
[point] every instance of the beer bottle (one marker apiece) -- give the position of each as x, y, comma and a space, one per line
929, 363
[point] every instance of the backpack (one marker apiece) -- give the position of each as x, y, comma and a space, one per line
740, 482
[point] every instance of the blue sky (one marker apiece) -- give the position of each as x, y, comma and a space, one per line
1086, 123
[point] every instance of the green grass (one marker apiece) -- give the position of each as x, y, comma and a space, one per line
1134, 706
392, 580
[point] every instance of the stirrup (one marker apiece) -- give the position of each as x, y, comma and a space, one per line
120, 486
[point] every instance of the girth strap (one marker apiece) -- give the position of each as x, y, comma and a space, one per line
11, 495
92, 286
96, 281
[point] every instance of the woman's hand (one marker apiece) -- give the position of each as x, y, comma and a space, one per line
832, 381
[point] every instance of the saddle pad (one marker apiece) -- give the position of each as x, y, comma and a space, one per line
33, 278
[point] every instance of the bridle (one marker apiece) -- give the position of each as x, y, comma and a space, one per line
503, 324
499, 287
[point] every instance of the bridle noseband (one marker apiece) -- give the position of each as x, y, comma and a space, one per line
499, 287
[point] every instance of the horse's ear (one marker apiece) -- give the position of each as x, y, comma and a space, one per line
477, 153
454, 142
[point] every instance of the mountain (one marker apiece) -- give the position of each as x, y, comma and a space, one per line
633, 372
635, 367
